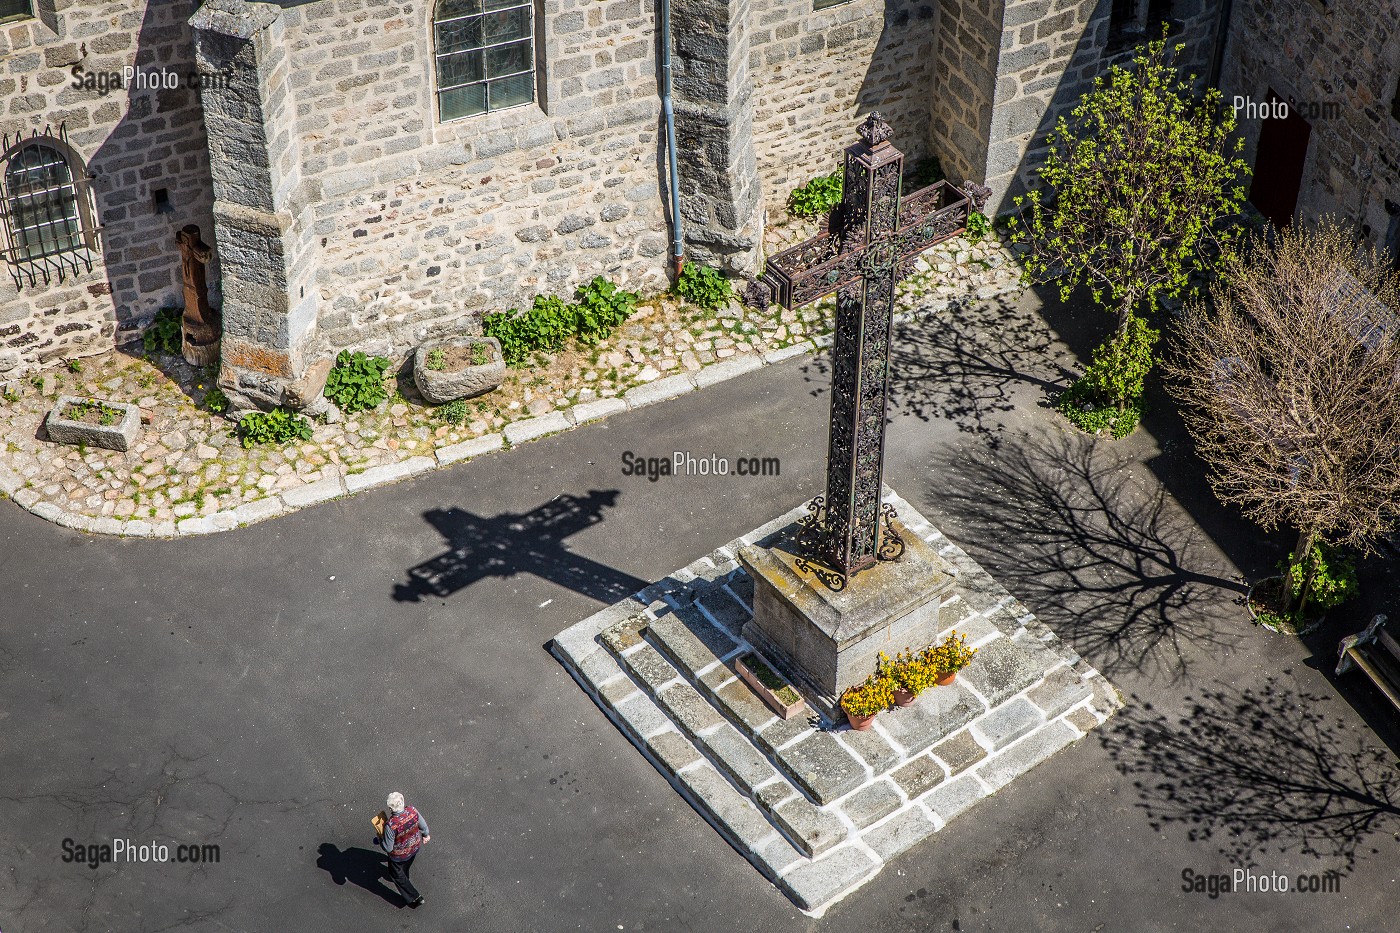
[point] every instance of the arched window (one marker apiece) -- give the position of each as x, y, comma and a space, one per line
44, 204
485, 55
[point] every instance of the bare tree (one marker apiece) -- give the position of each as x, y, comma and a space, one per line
1290, 385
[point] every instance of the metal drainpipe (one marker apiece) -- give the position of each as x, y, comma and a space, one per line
678, 243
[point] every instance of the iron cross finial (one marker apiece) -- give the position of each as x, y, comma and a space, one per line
875, 131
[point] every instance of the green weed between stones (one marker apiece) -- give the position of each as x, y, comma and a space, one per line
215, 401
550, 323
165, 334
356, 382
278, 426
817, 197
454, 412
436, 360
705, 287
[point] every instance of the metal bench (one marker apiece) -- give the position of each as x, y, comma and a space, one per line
1377, 653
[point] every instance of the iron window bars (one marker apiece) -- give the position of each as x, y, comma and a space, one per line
485, 56
45, 208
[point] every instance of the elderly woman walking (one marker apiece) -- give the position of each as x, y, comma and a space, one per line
405, 831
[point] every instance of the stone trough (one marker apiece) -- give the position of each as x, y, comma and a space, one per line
817, 808
119, 435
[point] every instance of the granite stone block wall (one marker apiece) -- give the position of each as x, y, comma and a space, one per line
64, 67
1341, 66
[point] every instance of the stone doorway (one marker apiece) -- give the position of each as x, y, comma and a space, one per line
1278, 164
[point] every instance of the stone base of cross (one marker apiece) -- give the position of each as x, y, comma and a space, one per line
871, 242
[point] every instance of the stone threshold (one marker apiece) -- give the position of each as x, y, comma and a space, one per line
817, 808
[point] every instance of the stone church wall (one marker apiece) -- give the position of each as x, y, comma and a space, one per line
134, 140
1341, 66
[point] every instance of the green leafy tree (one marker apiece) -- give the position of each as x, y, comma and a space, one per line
1137, 189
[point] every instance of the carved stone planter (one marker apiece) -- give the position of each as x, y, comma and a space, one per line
94, 422
459, 377
776, 692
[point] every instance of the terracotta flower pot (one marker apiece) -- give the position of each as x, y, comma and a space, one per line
860, 723
903, 697
946, 679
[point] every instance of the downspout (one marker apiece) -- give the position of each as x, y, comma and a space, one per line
668, 111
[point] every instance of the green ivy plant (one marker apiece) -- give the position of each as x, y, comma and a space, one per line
817, 197
278, 426
705, 287
165, 334
356, 382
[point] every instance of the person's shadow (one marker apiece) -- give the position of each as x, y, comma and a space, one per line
363, 868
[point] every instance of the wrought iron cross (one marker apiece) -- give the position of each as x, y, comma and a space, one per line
871, 242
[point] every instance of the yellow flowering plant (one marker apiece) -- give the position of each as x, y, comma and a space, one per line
951, 656
874, 695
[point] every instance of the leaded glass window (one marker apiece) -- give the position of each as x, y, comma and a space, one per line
43, 203
485, 56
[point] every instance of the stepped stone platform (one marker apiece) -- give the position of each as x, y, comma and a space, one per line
816, 807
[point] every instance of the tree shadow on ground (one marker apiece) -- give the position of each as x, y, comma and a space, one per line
1258, 770
1107, 560
513, 543
363, 868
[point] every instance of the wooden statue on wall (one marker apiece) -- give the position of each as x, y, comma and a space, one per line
203, 326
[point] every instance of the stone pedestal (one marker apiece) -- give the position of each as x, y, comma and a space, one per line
827, 640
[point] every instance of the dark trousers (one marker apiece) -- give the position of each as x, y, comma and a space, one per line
399, 872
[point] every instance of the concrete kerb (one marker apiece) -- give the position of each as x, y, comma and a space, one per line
334, 487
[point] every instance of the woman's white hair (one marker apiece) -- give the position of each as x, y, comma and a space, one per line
395, 802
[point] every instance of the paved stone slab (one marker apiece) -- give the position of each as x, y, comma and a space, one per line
1008, 722
299, 497
740, 702
674, 750
625, 634
959, 752
690, 640
651, 667
728, 369
735, 812
780, 855
658, 391
770, 795
816, 830
979, 589
906, 830
1061, 690
530, 428
724, 610
1083, 720
738, 757
822, 767
641, 715
938, 711
1003, 669
389, 473
616, 690
871, 803
472, 448
787, 353
959, 616
591, 411
1001, 769
688, 708
815, 883
262, 509
872, 749
918, 776
782, 731
952, 798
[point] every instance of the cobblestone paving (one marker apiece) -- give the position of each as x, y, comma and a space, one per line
188, 473
817, 808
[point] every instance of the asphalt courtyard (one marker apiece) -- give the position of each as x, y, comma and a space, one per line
263, 689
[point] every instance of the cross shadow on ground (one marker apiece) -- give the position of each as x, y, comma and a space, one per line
363, 868
513, 543
1261, 769
1105, 558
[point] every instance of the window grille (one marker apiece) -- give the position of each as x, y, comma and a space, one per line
15, 9
485, 56
45, 208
